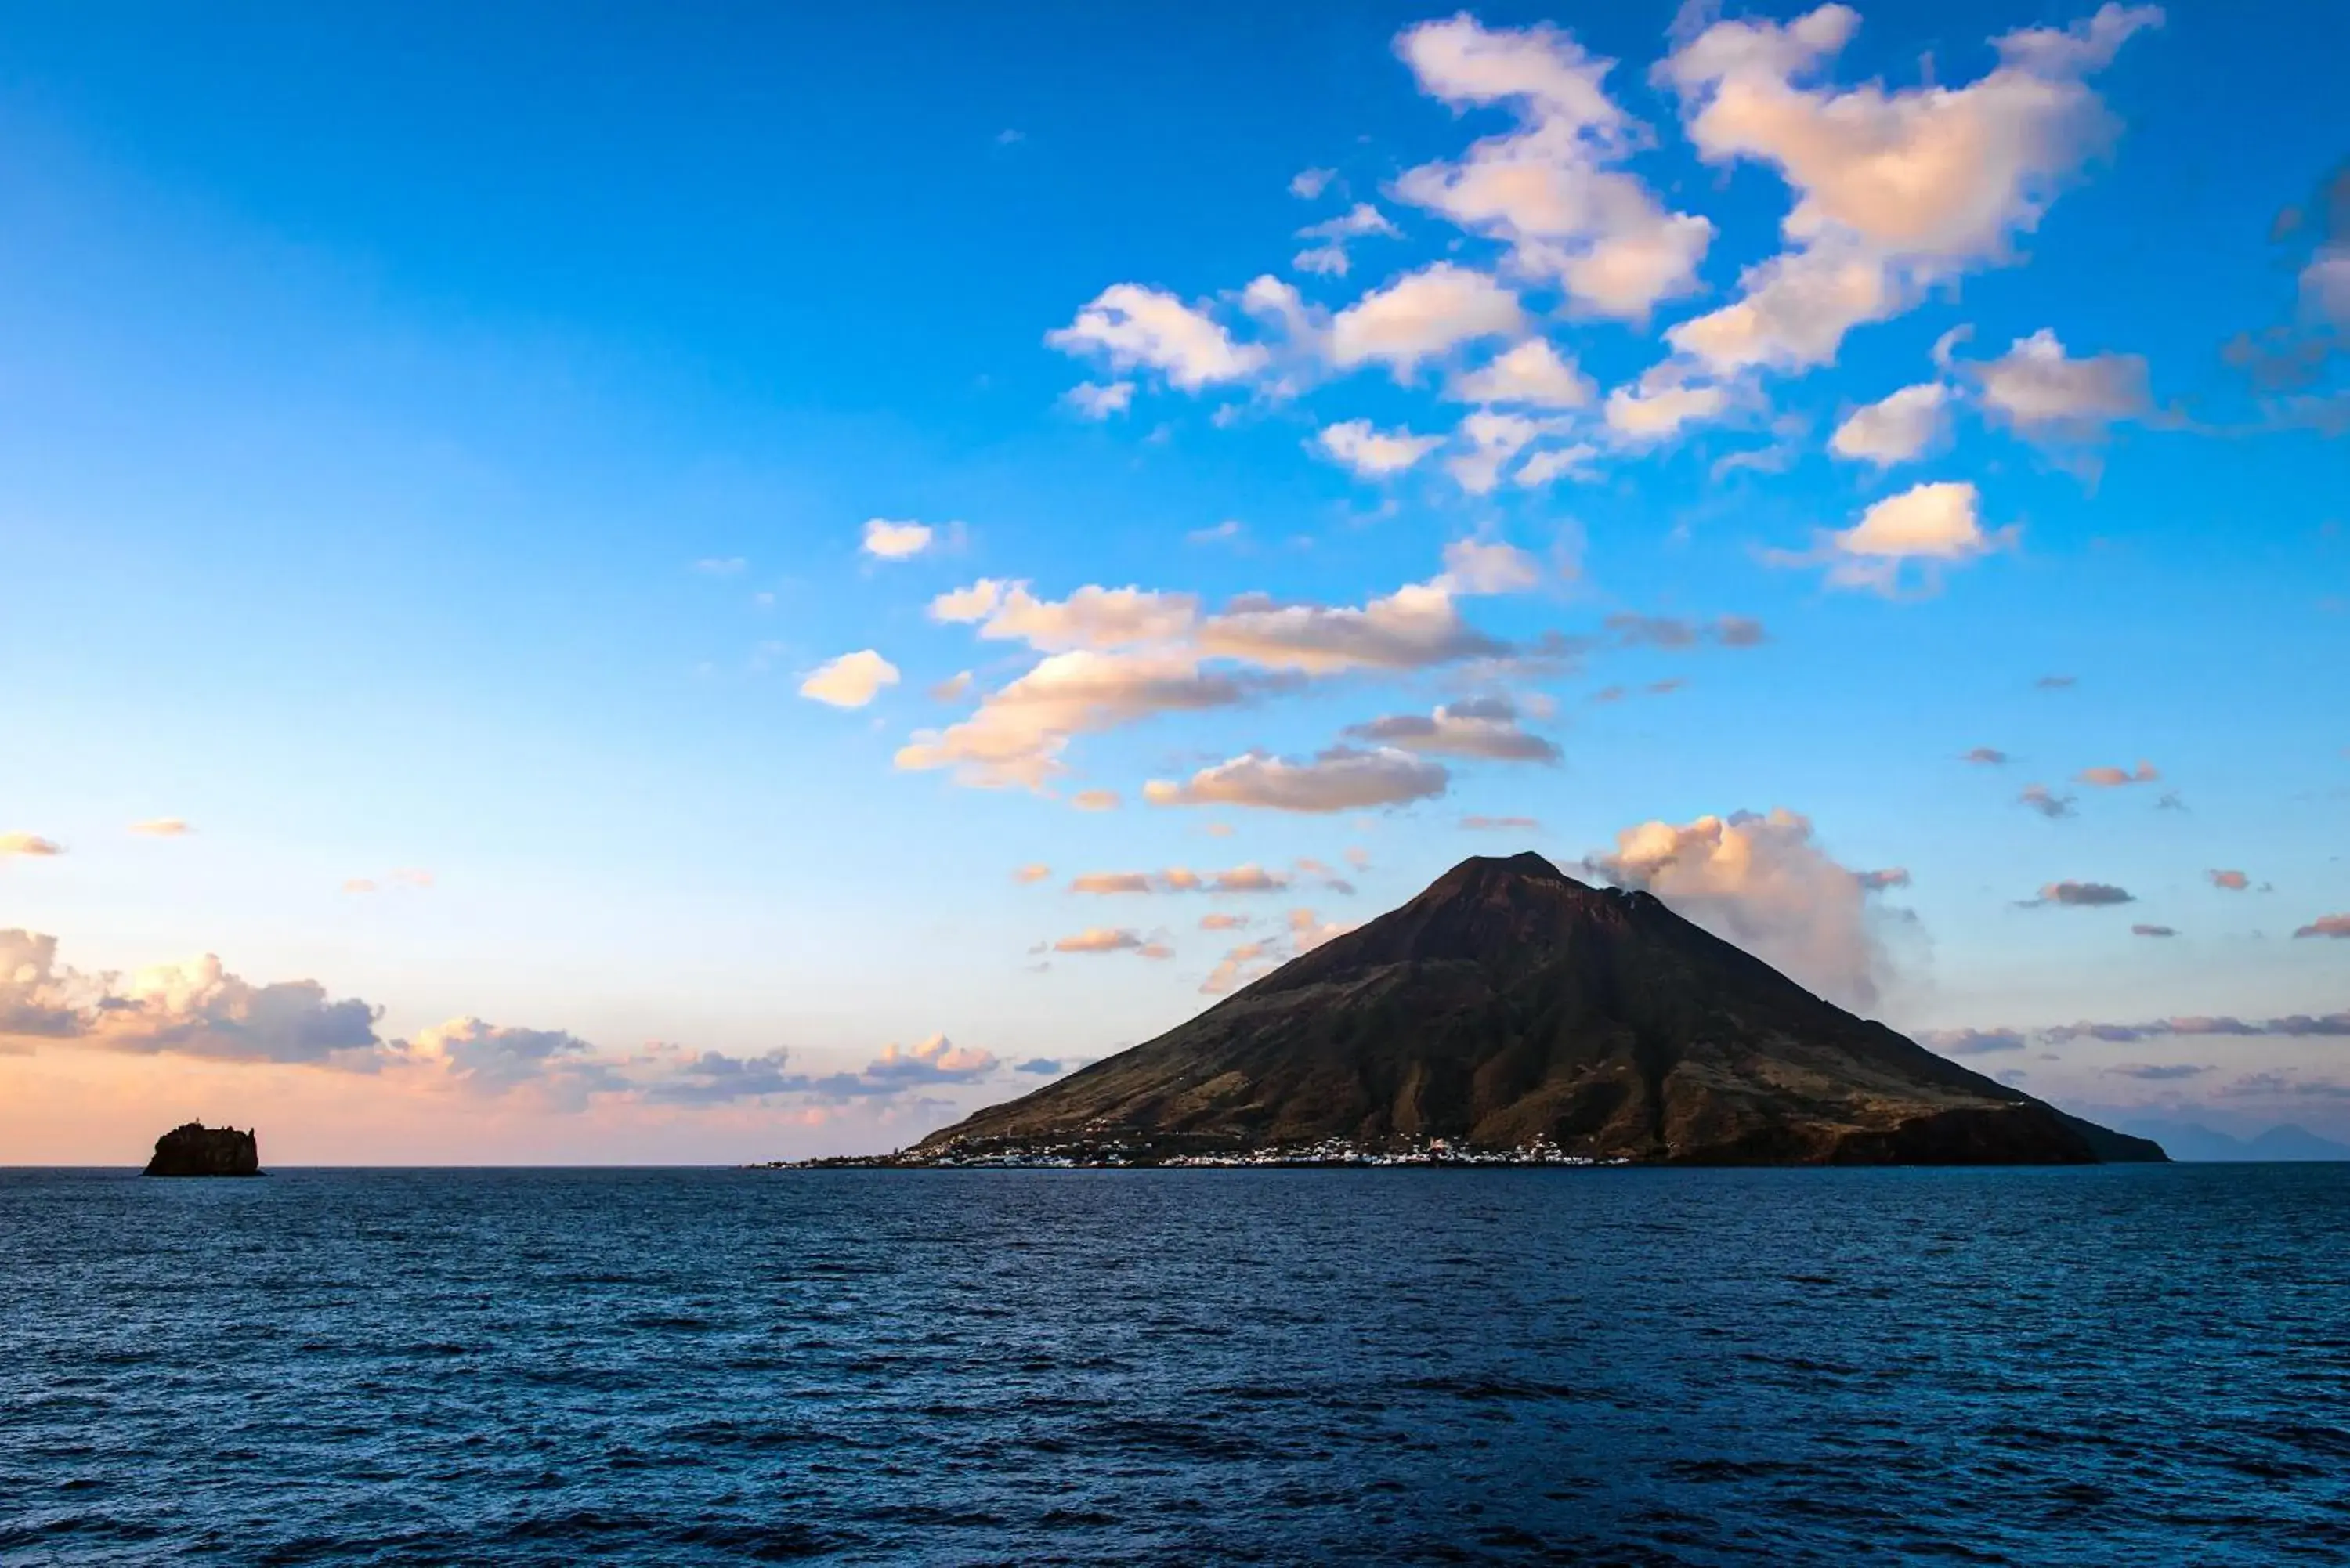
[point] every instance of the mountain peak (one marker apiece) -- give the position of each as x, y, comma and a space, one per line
1510, 1004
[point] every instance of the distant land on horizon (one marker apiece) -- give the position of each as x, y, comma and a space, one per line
1510, 1006
2194, 1143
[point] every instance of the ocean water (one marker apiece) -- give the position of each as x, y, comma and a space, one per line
2118, 1365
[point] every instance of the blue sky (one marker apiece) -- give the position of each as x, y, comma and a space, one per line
436, 451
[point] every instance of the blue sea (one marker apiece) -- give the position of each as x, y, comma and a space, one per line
2127, 1364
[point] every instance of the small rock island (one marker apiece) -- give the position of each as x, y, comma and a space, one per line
196, 1149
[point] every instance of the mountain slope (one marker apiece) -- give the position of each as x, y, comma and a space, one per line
1510, 1002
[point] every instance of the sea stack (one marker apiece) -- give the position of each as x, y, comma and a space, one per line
196, 1149
1511, 1007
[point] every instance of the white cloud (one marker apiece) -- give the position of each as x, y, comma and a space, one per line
1095, 400
2043, 393
194, 1008
2325, 286
1657, 407
1101, 940
1546, 189
494, 1059
1483, 727
31, 846
1489, 566
162, 827
1414, 628
1763, 883
1090, 618
1560, 462
1375, 453
1308, 183
1896, 429
1134, 326
1793, 314
1340, 779
1893, 190
888, 541
1935, 525
1532, 373
1329, 258
1423, 315
851, 680
936, 1060
1494, 439
1019, 732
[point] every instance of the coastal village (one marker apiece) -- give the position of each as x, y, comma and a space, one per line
1110, 1153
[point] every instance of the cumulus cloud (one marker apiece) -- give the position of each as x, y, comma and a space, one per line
1553, 463
1534, 373
1096, 800
887, 541
2326, 925
1019, 732
1986, 756
162, 827
1111, 882
2233, 881
936, 1060
1479, 823
851, 680
1898, 429
1303, 930
1040, 1066
1765, 883
495, 1059
195, 1008
1970, 1042
2158, 1071
1329, 258
1033, 872
1932, 527
1423, 315
1134, 327
1655, 408
1375, 453
2117, 778
2045, 395
1550, 188
1101, 940
1482, 727
2083, 895
31, 846
1629, 629
1118, 656
1796, 310
1488, 566
1415, 628
2153, 931
1222, 921
2293, 1026
1491, 441
1090, 618
1099, 401
1244, 878
1340, 779
1307, 184
1893, 190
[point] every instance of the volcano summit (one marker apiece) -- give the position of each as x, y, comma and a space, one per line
1510, 1006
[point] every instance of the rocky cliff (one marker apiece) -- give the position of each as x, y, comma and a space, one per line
196, 1149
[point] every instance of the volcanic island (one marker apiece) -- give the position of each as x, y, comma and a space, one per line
1512, 1014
